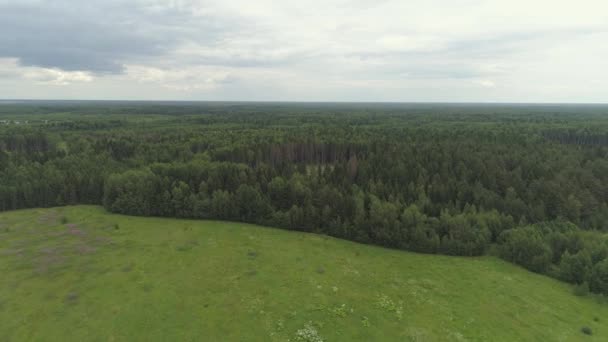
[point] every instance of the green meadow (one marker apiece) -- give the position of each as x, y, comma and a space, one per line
81, 274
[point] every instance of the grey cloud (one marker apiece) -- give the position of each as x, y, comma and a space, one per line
7, 74
241, 61
96, 36
341, 48
501, 44
441, 72
459, 58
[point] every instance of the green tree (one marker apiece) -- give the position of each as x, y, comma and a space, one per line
598, 281
525, 246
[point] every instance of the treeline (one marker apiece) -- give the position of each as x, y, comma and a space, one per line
578, 137
72, 179
306, 202
25, 141
456, 184
561, 250
309, 202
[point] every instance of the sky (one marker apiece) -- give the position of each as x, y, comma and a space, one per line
313, 50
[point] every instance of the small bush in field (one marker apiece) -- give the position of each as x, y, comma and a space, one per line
64, 220
581, 290
365, 321
587, 331
72, 298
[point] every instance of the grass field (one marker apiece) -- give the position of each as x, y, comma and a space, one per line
80, 274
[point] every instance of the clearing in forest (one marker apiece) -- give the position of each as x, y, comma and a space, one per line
81, 274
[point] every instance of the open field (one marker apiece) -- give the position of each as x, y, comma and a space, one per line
79, 273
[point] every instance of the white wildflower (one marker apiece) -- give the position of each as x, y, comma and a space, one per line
308, 334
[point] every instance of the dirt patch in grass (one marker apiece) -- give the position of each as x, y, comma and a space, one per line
72, 298
127, 268
47, 264
12, 252
50, 218
76, 231
58, 233
83, 249
101, 241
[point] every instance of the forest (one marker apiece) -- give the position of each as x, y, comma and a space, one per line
528, 183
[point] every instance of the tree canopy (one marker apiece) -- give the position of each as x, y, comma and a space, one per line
450, 179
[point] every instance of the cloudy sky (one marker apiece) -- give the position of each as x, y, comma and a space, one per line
314, 50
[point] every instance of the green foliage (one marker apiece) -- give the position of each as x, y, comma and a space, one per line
134, 192
581, 290
457, 180
384, 302
598, 281
222, 205
525, 246
587, 331
574, 268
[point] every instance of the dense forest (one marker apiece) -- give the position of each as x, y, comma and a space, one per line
526, 182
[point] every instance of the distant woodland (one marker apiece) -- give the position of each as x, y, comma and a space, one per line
526, 183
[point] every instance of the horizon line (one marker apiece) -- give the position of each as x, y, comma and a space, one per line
310, 102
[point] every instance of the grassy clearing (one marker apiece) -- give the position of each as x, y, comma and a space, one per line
78, 273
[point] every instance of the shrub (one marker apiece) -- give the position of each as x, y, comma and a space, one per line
581, 290
599, 277
64, 220
72, 298
574, 268
365, 321
587, 331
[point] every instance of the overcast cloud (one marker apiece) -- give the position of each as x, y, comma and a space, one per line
346, 50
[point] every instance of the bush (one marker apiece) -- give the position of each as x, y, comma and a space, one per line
574, 268
581, 290
599, 277
64, 220
587, 331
